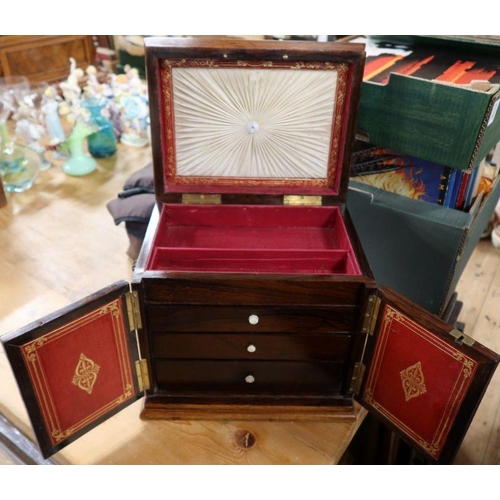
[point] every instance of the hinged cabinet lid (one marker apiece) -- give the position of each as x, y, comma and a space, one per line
423, 379
76, 367
256, 118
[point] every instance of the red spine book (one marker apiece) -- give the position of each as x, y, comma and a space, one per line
461, 192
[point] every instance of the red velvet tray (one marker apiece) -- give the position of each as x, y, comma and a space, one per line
252, 239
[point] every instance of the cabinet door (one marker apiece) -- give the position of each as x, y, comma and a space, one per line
76, 367
424, 379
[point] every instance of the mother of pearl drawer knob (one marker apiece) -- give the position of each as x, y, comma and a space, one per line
249, 379
251, 348
253, 319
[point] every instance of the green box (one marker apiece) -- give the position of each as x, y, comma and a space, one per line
448, 124
420, 249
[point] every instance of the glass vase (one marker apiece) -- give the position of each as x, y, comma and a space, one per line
19, 165
101, 144
79, 163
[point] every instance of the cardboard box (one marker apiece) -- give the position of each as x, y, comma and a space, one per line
418, 248
413, 101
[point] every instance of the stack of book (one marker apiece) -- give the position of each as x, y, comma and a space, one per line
421, 179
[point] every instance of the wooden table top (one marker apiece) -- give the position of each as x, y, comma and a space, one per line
59, 243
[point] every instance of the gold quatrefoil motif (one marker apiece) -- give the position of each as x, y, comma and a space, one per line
413, 381
85, 374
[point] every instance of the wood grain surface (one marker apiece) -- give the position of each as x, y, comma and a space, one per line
479, 289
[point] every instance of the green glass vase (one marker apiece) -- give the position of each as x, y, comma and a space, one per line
78, 163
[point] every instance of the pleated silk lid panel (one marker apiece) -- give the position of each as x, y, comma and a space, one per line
255, 126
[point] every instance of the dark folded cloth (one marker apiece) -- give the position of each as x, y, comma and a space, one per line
142, 180
134, 206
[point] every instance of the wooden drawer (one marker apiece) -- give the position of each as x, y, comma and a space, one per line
252, 346
231, 377
231, 289
171, 318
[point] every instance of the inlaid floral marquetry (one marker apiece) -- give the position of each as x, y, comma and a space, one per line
413, 381
86, 374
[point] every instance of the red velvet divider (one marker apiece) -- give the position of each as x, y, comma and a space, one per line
249, 215
264, 238
252, 238
80, 371
248, 261
417, 380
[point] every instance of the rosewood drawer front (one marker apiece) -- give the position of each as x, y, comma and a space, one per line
242, 291
171, 318
251, 346
251, 350
249, 378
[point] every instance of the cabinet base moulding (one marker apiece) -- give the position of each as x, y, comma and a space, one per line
162, 411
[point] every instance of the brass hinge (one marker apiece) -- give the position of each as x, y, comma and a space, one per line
461, 338
292, 199
133, 310
201, 199
357, 377
141, 369
371, 314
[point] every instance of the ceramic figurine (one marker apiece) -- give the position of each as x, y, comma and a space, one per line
132, 74
93, 88
114, 84
106, 91
31, 132
116, 119
135, 113
135, 86
119, 87
91, 72
52, 122
70, 89
89, 93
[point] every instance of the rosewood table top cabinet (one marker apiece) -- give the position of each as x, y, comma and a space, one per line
252, 298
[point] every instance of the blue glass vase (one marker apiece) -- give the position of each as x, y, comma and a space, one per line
101, 144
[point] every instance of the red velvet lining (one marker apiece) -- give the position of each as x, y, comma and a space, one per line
248, 261
249, 215
252, 239
234, 237
417, 380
